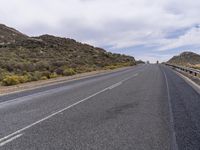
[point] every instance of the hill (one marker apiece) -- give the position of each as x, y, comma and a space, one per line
24, 58
140, 62
9, 35
189, 59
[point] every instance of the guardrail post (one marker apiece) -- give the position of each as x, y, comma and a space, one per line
194, 72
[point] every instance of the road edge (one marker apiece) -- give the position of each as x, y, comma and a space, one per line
194, 85
65, 80
173, 145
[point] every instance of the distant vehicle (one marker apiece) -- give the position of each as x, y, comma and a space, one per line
147, 62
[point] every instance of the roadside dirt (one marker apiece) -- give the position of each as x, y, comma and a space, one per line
37, 84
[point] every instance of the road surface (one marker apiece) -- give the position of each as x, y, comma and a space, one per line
147, 107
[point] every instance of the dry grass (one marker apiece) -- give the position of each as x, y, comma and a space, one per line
53, 81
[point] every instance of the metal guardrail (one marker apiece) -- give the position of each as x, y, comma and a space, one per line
194, 72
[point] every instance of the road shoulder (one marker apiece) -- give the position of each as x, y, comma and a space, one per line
194, 85
5, 90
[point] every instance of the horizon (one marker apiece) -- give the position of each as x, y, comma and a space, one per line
155, 30
101, 47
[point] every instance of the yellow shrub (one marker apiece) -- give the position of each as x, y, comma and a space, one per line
14, 79
44, 78
111, 67
23, 79
53, 75
11, 80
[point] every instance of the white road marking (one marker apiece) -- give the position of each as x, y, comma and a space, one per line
174, 145
15, 134
10, 139
37, 122
115, 85
119, 83
130, 77
29, 97
73, 79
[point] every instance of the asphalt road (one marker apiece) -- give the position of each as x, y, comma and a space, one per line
147, 107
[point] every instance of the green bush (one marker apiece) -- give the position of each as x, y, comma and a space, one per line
69, 72
35, 76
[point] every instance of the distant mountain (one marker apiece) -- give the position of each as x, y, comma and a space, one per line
48, 56
186, 59
140, 62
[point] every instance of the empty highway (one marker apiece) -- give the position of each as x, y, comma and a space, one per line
147, 107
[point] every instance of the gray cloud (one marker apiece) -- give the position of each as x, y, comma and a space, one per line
114, 24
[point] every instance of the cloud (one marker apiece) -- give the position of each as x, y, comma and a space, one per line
191, 39
160, 25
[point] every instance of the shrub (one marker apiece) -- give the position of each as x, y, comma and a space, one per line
11, 80
14, 79
23, 79
28, 76
53, 75
46, 73
44, 78
59, 71
69, 72
111, 67
35, 76
84, 69
3, 73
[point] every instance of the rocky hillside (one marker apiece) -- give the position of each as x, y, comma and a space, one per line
186, 58
9, 35
24, 58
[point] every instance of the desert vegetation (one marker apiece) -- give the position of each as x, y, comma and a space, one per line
24, 59
188, 59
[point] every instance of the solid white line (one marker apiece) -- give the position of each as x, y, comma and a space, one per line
130, 77
126, 69
115, 85
174, 145
10, 140
119, 83
40, 94
37, 122
60, 111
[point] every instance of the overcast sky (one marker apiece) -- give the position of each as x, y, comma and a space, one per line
146, 29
